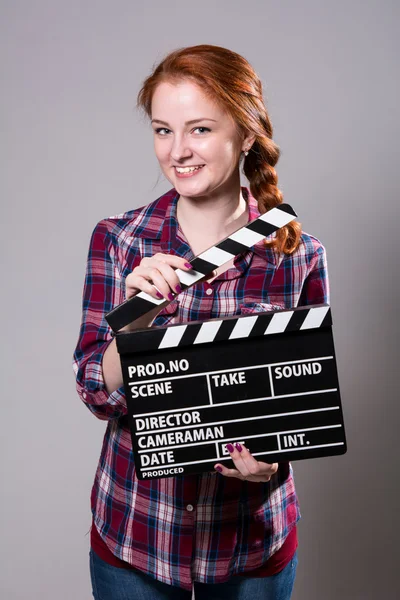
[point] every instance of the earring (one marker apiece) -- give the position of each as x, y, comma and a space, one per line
246, 152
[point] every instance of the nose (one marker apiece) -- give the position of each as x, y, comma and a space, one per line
180, 149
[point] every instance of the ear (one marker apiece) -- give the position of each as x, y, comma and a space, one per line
248, 140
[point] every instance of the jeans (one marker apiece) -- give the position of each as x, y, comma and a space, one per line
113, 583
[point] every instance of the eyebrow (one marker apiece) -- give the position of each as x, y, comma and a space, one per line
187, 122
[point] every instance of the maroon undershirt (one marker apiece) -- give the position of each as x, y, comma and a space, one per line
276, 563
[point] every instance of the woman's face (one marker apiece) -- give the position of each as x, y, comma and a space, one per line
192, 131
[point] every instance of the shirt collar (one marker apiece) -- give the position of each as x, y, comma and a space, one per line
173, 239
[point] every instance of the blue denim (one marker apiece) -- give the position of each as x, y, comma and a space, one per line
113, 583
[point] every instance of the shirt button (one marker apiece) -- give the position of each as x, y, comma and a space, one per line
209, 292
190, 507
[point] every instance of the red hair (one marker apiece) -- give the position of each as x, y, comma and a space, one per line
228, 79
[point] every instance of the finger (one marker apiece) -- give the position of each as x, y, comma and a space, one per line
256, 467
162, 275
245, 461
140, 279
228, 472
248, 465
174, 261
169, 275
160, 280
260, 478
236, 451
137, 283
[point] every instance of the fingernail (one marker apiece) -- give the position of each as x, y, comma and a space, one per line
159, 295
238, 447
178, 289
219, 469
188, 265
170, 296
230, 448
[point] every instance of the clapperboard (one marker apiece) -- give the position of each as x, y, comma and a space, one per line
268, 380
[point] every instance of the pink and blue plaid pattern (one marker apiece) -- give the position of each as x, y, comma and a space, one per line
197, 527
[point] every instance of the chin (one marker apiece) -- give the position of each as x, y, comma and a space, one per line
191, 193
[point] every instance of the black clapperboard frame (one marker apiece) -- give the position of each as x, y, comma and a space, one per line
268, 379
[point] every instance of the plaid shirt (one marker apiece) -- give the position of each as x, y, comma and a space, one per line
205, 527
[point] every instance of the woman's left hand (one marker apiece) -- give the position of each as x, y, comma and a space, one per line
247, 467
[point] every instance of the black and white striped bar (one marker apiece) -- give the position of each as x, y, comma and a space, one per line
268, 380
216, 256
229, 328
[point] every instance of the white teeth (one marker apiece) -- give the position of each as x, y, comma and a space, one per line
187, 169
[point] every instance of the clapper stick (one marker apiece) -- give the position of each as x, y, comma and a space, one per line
239, 241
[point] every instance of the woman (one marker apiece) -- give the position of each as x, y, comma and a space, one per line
230, 533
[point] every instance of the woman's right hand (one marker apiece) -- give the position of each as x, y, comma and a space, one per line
156, 276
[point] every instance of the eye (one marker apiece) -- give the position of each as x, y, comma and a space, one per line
204, 128
160, 129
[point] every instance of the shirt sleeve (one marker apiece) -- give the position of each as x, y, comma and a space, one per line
102, 291
316, 285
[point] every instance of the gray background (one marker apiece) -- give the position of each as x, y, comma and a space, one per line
75, 151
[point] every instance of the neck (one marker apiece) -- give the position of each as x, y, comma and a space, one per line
207, 220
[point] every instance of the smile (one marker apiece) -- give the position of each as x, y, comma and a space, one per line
185, 170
